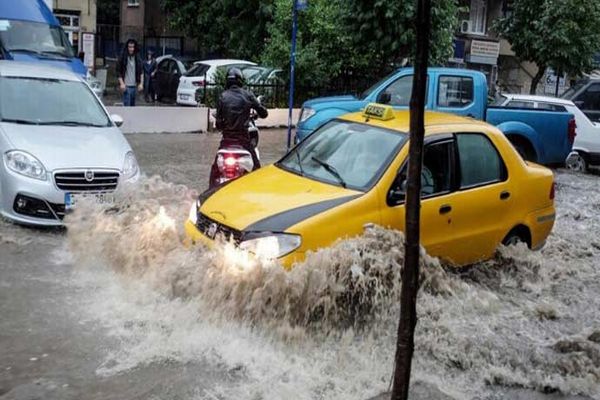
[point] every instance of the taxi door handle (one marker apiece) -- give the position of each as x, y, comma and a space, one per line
504, 195
445, 209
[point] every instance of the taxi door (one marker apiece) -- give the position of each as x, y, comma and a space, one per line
482, 202
436, 195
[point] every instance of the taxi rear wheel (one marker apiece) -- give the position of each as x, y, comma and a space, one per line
519, 234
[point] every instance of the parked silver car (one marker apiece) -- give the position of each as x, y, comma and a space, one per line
58, 144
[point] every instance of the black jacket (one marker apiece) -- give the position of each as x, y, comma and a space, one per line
233, 111
122, 65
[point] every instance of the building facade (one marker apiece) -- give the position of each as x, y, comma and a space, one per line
76, 17
144, 21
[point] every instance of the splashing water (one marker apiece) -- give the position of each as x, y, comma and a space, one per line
326, 329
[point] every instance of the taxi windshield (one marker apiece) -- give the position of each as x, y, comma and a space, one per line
345, 153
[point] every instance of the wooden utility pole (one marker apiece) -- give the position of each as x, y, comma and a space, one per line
410, 273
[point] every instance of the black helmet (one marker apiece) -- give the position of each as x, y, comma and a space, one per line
234, 77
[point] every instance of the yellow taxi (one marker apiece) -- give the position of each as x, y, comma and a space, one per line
477, 192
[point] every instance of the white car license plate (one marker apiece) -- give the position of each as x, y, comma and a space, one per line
184, 96
71, 199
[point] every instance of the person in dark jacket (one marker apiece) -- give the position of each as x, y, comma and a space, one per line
233, 113
233, 116
149, 72
130, 72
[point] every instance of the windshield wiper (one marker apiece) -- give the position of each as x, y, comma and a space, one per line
71, 123
19, 121
55, 53
331, 169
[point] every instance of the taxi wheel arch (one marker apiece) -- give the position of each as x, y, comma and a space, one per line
519, 233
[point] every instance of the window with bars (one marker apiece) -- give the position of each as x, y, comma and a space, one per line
133, 3
478, 17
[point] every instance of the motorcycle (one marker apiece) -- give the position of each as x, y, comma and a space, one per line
233, 160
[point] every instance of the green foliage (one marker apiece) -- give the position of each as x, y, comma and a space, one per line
362, 36
228, 28
385, 29
323, 46
562, 34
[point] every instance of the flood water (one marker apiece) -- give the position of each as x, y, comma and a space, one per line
118, 307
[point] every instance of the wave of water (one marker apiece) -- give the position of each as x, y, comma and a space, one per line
327, 328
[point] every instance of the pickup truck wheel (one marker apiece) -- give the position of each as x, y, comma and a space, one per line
524, 148
576, 162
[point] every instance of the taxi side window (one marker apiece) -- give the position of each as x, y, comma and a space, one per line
480, 162
436, 173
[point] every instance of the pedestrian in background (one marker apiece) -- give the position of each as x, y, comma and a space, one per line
130, 72
149, 72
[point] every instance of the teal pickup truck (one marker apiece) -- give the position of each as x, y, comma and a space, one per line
542, 136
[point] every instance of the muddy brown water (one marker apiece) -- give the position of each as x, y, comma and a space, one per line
117, 308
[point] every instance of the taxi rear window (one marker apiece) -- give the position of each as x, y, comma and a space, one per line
347, 154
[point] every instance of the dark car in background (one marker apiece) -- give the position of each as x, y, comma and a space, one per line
586, 96
168, 72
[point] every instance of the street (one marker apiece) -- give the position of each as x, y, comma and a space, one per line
116, 307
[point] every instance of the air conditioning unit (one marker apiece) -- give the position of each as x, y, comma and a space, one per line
465, 26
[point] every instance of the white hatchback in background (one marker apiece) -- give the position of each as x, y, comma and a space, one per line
586, 148
58, 144
195, 78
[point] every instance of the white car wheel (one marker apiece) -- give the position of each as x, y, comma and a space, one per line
576, 162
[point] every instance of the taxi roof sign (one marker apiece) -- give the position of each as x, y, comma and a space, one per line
379, 111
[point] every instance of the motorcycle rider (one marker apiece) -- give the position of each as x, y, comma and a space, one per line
233, 115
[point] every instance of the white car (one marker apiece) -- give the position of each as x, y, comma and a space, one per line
586, 148
57, 146
203, 72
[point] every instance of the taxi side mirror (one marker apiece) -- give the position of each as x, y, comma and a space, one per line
384, 98
397, 194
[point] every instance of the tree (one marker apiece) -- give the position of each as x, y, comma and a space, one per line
227, 28
323, 46
410, 272
364, 37
562, 34
386, 29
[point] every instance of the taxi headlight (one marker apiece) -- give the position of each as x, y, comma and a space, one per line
25, 164
306, 113
272, 246
193, 216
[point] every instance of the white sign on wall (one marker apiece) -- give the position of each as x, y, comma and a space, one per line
481, 48
87, 46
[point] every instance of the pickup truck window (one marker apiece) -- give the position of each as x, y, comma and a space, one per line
455, 91
400, 91
480, 162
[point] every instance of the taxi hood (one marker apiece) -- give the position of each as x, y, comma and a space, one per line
271, 199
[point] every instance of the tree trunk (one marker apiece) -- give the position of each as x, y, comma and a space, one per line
410, 273
536, 79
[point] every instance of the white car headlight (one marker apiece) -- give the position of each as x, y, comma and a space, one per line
130, 167
306, 113
25, 164
193, 216
272, 246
